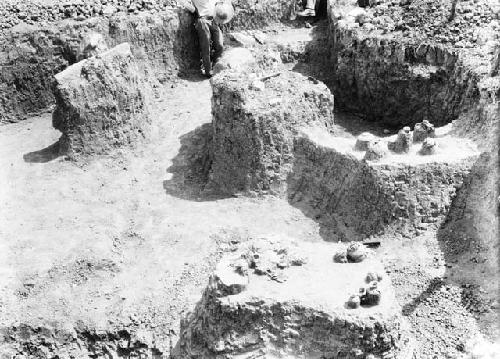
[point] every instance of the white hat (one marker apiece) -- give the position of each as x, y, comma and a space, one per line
224, 12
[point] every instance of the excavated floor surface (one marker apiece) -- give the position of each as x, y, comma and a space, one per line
128, 242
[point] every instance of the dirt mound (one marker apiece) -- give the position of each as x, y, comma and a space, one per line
254, 124
300, 312
102, 103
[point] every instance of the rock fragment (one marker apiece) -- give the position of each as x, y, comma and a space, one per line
403, 141
353, 302
376, 151
340, 256
92, 45
429, 147
422, 131
364, 141
237, 59
356, 252
373, 277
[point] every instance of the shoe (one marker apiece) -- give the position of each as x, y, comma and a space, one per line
307, 13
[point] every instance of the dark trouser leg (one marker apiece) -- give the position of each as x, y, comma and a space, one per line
203, 29
217, 39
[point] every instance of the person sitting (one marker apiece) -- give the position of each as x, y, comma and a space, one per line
209, 15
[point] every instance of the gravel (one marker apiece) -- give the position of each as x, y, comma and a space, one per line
429, 20
13, 12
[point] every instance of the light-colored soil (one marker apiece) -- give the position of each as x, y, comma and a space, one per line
127, 240
104, 242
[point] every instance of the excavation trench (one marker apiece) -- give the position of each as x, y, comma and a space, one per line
275, 133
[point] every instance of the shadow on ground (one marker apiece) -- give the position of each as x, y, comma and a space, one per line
44, 155
191, 166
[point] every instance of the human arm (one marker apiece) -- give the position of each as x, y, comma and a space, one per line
188, 5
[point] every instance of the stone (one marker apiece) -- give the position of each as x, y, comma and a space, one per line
340, 256
366, 3
353, 302
236, 59
376, 151
242, 39
372, 276
92, 45
372, 297
356, 252
364, 141
423, 130
403, 141
226, 280
102, 103
429, 147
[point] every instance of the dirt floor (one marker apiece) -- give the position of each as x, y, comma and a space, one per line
128, 240
112, 239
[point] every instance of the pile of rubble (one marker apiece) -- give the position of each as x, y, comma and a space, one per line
459, 28
36, 12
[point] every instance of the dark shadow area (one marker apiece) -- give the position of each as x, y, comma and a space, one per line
44, 155
342, 194
315, 61
192, 75
191, 167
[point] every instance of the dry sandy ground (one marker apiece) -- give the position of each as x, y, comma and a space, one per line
122, 240
104, 242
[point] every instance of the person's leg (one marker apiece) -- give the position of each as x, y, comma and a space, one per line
203, 29
218, 41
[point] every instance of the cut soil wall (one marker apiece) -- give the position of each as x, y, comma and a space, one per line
398, 81
30, 57
254, 124
358, 199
